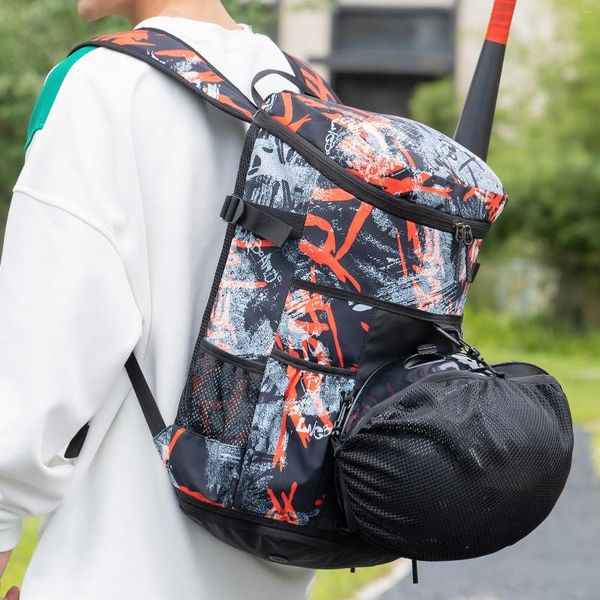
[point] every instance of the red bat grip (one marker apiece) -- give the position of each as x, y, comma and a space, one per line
499, 27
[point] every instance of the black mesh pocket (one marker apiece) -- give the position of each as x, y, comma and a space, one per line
457, 465
219, 399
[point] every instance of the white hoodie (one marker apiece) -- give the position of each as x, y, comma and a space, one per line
112, 240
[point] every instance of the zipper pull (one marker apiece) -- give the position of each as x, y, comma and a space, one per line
469, 237
463, 233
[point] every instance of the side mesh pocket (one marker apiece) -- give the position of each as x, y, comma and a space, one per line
455, 465
205, 447
219, 398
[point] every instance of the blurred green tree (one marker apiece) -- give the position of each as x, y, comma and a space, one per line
546, 150
552, 167
436, 105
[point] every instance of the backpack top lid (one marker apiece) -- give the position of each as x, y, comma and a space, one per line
400, 157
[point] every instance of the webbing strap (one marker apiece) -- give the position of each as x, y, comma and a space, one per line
178, 59
258, 99
312, 83
148, 405
156, 423
271, 224
174, 57
76, 444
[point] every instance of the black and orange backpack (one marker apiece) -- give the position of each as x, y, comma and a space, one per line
351, 242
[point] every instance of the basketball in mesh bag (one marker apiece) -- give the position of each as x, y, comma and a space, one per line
444, 461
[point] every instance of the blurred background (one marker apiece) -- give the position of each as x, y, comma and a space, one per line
537, 297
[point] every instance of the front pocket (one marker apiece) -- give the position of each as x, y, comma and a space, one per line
323, 329
355, 247
250, 295
203, 469
286, 474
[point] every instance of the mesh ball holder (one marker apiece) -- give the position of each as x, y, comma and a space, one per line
449, 458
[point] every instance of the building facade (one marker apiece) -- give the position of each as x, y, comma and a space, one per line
376, 52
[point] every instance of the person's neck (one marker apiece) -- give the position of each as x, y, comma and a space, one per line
210, 11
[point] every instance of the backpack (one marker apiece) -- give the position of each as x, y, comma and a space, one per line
352, 239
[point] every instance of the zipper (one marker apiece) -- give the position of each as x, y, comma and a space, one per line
463, 234
400, 207
307, 365
405, 311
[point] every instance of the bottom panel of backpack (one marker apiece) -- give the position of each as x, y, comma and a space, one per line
283, 543
205, 474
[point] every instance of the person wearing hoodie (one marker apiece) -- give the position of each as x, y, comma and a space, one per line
112, 240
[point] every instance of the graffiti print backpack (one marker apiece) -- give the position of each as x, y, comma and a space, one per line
351, 242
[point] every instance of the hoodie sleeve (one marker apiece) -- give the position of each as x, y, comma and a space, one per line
68, 316
68, 322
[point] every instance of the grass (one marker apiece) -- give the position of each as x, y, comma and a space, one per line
573, 358
21, 556
334, 585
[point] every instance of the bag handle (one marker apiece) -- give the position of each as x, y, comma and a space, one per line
256, 96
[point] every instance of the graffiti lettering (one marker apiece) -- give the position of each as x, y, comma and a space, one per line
269, 272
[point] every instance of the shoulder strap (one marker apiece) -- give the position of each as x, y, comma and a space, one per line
179, 60
312, 83
150, 409
154, 419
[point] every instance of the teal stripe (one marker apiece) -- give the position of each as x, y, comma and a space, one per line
44, 103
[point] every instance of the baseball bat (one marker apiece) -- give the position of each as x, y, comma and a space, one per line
475, 126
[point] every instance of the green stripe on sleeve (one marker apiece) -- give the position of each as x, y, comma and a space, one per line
45, 100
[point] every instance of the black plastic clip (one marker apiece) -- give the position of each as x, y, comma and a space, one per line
336, 433
233, 209
271, 224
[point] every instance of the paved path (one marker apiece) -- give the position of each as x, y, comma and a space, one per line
559, 561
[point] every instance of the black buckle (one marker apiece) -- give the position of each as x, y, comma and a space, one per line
233, 209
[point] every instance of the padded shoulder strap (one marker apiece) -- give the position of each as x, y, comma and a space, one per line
179, 60
312, 82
